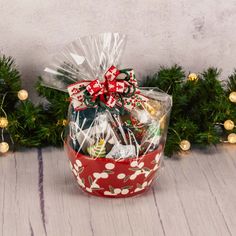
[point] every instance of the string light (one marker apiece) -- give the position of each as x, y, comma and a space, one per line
185, 145
229, 125
232, 138
4, 147
22, 94
192, 77
3, 122
62, 122
232, 97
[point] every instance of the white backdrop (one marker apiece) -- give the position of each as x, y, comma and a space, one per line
195, 34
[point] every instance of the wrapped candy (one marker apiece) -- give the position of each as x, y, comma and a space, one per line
98, 149
117, 131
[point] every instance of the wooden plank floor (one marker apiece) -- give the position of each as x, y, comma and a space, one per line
196, 195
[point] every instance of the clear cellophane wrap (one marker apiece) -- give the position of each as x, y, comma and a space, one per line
109, 115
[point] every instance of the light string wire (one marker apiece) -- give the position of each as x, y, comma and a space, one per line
5, 114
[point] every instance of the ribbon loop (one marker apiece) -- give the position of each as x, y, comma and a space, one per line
94, 87
112, 73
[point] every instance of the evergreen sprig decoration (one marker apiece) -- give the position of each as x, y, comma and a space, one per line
21, 122
9, 81
201, 106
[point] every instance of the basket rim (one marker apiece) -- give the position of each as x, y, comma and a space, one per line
124, 160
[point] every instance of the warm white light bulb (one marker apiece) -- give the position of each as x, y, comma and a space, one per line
229, 124
22, 94
192, 77
3, 122
232, 138
232, 97
185, 145
4, 147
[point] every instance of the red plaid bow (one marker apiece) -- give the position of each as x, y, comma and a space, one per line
88, 92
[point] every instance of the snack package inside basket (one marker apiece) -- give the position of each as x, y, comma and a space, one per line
109, 115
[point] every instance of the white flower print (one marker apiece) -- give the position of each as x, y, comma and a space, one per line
110, 166
139, 169
141, 187
121, 176
77, 168
115, 191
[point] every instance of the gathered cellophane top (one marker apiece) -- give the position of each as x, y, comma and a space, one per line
109, 115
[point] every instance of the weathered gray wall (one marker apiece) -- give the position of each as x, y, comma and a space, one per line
195, 34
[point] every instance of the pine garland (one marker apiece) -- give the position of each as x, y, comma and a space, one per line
200, 107
30, 125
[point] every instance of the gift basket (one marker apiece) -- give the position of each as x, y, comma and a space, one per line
116, 131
